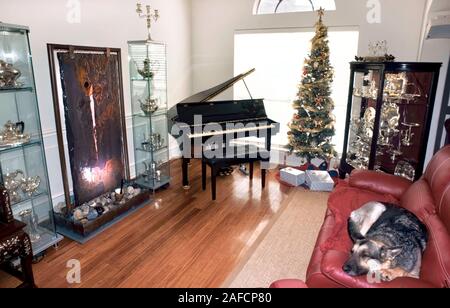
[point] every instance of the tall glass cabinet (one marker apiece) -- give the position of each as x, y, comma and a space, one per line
390, 108
148, 74
23, 169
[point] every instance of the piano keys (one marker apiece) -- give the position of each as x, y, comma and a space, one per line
198, 119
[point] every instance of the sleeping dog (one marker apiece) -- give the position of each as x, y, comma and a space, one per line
387, 239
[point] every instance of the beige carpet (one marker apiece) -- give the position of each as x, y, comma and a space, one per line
286, 249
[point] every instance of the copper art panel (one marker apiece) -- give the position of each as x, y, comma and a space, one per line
91, 88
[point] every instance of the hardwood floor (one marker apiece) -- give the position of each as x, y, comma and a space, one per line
184, 240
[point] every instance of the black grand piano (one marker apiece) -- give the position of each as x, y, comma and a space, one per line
250, 114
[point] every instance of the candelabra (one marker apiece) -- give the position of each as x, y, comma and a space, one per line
150, 16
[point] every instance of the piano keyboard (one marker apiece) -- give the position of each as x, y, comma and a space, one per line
231, 131
249, 120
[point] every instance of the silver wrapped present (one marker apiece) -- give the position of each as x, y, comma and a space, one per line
292, 176
319, 180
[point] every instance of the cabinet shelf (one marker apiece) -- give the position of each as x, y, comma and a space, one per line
155, 152
28, 199
151, 183
159, 113
32, 143
15, 90
134, 79
47, 240
404, 101
365, 97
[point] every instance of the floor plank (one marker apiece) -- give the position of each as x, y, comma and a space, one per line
184, 240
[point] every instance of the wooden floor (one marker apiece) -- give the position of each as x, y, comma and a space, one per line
185, 240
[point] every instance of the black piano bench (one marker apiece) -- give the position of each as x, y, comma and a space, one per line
216, 164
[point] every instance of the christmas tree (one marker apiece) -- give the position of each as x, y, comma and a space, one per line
312, 128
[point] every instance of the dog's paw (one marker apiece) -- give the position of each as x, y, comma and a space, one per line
387, 275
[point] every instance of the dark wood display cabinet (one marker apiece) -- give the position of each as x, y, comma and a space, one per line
390, 107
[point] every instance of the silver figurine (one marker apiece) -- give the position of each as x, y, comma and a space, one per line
9, 75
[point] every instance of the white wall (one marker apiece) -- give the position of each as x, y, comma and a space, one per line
104, 23
215, 21
436, 50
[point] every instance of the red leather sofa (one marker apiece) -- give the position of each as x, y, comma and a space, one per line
428, 198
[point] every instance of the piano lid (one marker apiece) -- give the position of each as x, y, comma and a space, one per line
209, 94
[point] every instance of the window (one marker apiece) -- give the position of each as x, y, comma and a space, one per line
288, 6
278, 58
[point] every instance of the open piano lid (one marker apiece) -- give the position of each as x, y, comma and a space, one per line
209, 94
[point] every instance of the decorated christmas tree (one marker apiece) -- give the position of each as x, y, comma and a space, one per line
312, 127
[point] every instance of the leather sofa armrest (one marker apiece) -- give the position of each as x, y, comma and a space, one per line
378, 182
288, 284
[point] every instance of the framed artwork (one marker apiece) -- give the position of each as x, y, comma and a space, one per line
90, 120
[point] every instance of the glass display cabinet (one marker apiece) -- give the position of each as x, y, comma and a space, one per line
23, 169
389, 114
148, 73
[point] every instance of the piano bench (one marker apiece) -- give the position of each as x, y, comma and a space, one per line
216, 164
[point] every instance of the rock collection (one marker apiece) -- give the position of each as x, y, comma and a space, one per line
103, 204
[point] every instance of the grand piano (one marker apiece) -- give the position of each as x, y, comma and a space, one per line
233, 119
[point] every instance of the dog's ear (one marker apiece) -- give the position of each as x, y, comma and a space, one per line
354, 232
390, 253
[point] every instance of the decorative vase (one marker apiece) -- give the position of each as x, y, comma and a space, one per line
8, 75
29, 218
146, 72
12, 182
30, 185
149, 106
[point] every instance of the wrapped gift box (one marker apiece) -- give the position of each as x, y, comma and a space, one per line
319, 180
292, 176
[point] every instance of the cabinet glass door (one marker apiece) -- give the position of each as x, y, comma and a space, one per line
403, 122
362, 121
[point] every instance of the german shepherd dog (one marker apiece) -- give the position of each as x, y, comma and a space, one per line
387, 239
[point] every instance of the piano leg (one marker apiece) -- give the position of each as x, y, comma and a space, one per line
204, 175
268, 148
263, 178
251, 170
185, 171
213, 181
